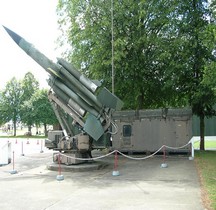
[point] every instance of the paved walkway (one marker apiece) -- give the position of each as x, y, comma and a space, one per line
141, 185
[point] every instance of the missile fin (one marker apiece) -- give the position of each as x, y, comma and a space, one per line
53, 72
93, 127
109, 100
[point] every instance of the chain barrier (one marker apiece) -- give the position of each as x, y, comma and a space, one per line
60, 177
121, 153
127, 156
94, 158
142, 158
175, 148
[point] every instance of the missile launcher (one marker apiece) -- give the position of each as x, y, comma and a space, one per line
88, 105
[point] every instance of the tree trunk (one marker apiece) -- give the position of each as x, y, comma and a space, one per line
45, 129
202, 132
140, 100
37, 130
14, 127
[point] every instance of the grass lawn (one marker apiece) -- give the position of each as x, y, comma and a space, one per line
21, 134
206, 165
208, 144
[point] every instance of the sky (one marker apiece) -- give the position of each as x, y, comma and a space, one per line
36, 22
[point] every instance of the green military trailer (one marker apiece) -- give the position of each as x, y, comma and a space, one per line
148, 130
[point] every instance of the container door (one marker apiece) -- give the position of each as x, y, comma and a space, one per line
182, 134
126, 135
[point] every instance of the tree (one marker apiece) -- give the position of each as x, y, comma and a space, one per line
196, 30
10, 102
139, 43
42, 110
24, 101
28, 114
38, 110
29, 85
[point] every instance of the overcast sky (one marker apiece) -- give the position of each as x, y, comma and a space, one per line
36, 22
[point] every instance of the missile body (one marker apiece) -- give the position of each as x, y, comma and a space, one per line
81, 90
56, 84
71, 103
48, 64
84, 80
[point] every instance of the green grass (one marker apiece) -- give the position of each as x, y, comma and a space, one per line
208, 144
21, 134
206, 164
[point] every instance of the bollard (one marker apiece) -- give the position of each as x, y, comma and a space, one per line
27, 141
22, 154
164, 164
13, 171
41, 146
191, 150
59, 177
115, 171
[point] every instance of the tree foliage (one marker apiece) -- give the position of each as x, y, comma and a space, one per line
24, 101
29, 86
43, 112
10, 102
140, 43
200, 44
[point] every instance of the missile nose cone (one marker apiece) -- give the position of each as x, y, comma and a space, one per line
13, 35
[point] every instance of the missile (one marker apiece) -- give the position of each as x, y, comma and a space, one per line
76, 91
81, 89
84, 80
71, 103
54, 68
81, 85
55, 84
56, 102
35, 54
